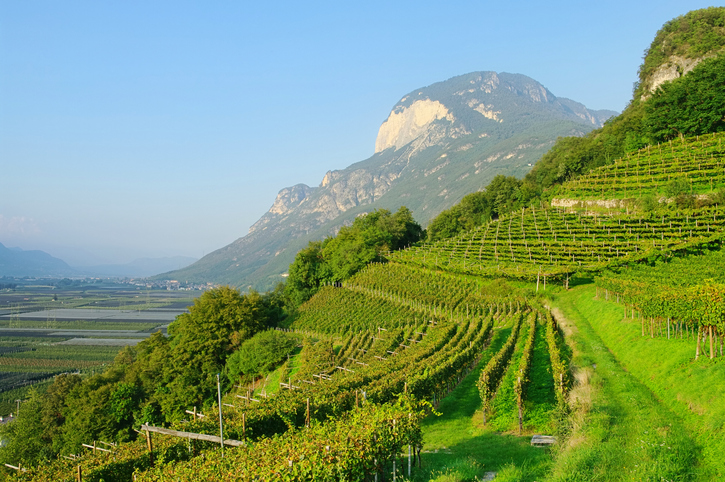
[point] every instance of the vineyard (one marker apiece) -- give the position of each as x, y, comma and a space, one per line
700, 161
376, 356
536, 244
681, 299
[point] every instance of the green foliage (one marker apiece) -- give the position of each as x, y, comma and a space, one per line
307, 274
36, 432
153, 382
534, 243
692, 165
339, 257
645, 410
691, 105
676, 187
572, 156
20, 448
690, 290
260, 354
502, 195
490, 377
648, 203
351, 447
695, 34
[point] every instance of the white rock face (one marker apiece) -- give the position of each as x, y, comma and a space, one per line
289, 198
407, 124
674, 68
488, 112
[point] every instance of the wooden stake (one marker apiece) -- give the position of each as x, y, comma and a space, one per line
221, 426
149, 445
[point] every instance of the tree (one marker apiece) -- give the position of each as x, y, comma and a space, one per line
691, 105
337, 258
306, 274
217, 324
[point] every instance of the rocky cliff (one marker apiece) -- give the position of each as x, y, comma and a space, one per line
437, 144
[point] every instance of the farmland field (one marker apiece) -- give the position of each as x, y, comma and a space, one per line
46, 330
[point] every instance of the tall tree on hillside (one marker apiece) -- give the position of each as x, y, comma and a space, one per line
336, 259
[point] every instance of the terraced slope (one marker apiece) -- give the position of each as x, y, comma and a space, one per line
699, 161
391, 342
534, 243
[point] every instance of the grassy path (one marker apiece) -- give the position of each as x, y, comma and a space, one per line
458, 448
620, 430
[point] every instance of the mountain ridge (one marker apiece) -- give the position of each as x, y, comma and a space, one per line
17, 262
437, 144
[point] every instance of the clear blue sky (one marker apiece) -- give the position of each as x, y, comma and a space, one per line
161, 128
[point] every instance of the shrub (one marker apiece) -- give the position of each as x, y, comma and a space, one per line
260, 354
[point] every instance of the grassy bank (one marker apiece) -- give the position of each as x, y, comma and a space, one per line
626, 423
457, 447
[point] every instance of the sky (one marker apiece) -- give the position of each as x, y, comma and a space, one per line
166, 128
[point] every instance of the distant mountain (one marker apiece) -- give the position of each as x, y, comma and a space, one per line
140, 268
18, 263
438, 143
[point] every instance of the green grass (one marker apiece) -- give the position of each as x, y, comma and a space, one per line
540, 400
620, 430
457, 447
504, 411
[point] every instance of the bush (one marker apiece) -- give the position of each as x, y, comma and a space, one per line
685, 201
676, 187
260, 354
648, 203
717, 198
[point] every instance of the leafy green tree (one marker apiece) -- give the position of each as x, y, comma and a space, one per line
217, 324
306, 274
87, 415
54, 405
676, 187
691, 105
23, 445
337, 258
260, 354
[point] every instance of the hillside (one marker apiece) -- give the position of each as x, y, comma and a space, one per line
624, 370
17, 262
678, 94
437, 144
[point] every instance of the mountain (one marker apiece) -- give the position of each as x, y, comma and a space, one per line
17, 262
139, 268
438, 143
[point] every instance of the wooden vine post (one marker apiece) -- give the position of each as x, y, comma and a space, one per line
149, 445
409, 451
221, 426
518, 402
307, 414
